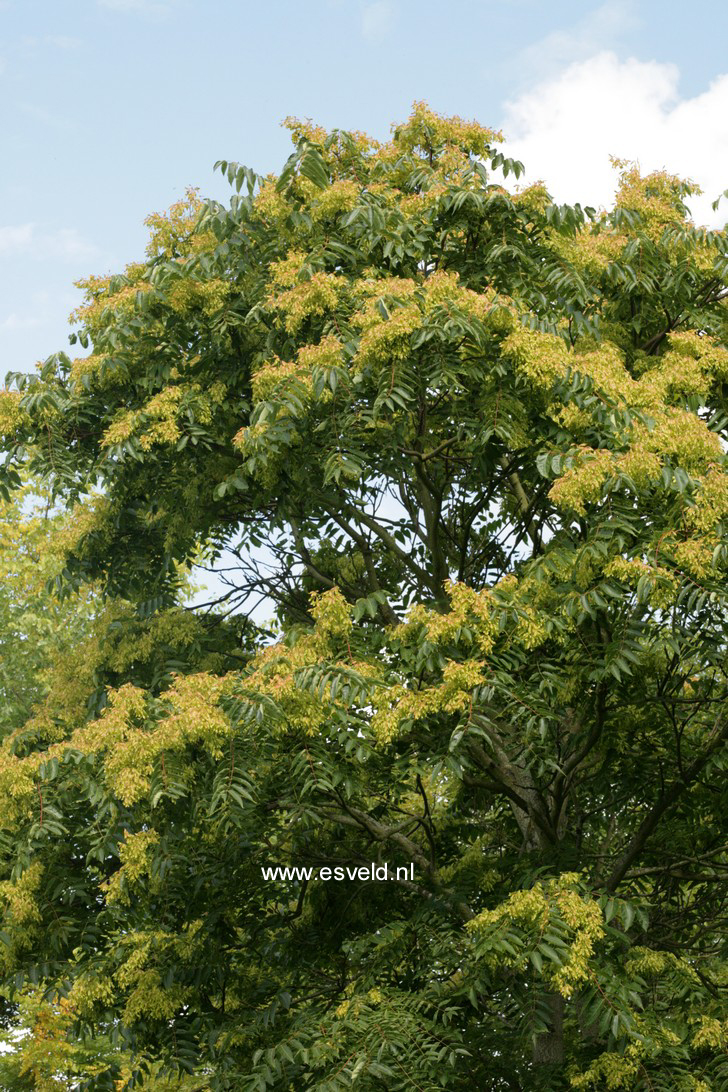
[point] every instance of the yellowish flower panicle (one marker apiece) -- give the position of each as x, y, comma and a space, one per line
106, 297
18, 898
340, 196
695, 555
311, 298
276, 376
183, 294
332, 617
271, 206
711, 1032
387, 341
711, 501
684, 436
662, 582
171, 231
12, 417
640, 464
584, 482
443, 289
314, 359
157, 422
304, 129
652, 963
426, 131
531, 911
657, 196
592, 249
372, 289
541, 358
689, 344
134, 853
131, 740
399, 705
88, 993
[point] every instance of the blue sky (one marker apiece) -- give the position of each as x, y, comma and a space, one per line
110, 108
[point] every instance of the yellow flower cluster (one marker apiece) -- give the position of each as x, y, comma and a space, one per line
541, 357
650, 962
274, 668
340, 196
276, 375
584, 482
327, 354
170, 231
387, 341
139, 971
655, 196
184, 294
713, 357
426, 131
611, 1070
332, 616
468, 607
664, 585
88, 991
18, 898
695, 555
12, 417
131, 747
711, 1033
307, 299
134, 853
100, 301
452, 695
687, 438
269, 204
711, 501
533, 910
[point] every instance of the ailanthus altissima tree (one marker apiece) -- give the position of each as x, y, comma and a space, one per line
471, 446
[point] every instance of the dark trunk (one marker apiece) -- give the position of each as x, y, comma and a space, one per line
548, 1046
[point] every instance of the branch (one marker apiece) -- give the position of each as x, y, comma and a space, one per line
666, 799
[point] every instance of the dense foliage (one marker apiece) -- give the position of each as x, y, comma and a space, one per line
470, 447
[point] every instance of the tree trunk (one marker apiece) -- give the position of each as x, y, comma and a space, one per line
548, 1047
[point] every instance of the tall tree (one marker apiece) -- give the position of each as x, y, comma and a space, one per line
470, 445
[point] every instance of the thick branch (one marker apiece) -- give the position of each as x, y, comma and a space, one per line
666, 799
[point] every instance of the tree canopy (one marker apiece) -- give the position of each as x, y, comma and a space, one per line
467, 447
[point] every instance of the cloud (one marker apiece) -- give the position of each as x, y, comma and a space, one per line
566, 127
377, 19
57, 41
137, 7
25, 240
15, 322
15, 239
62, 41
59, 123
601, 29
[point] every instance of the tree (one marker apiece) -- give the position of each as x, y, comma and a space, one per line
470, 444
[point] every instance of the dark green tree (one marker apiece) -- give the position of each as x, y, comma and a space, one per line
470, 447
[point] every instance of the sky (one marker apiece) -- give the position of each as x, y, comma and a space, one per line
111, 108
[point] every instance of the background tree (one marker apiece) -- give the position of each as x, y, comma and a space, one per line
471, 445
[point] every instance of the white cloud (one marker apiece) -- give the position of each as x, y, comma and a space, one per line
15, 322
62, 41
377, 19
15, 238
65, 244
566, 127
141, 7
597, 31
57, 41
